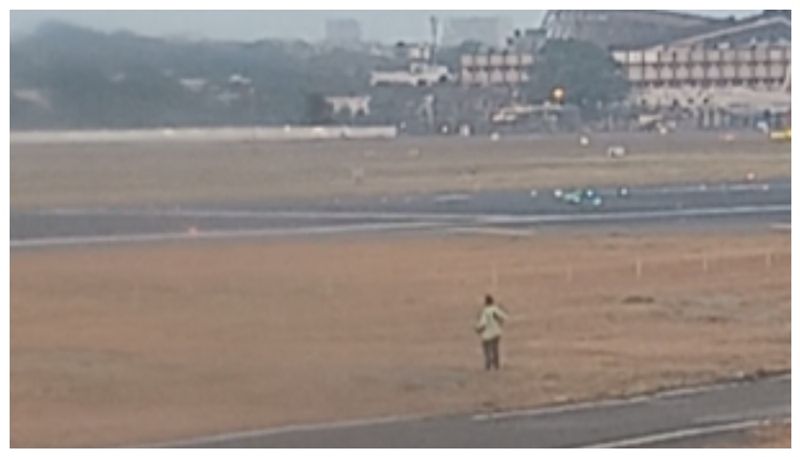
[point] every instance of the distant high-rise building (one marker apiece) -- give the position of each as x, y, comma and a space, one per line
491, 31
342, 32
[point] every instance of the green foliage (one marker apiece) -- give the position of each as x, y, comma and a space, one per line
585, 72
120, 80
318, 111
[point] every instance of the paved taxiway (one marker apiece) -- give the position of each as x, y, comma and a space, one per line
682, 206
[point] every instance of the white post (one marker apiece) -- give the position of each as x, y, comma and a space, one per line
705, 263
638, 268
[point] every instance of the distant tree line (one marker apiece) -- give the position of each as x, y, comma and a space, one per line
67, 77
583, 73
64, 76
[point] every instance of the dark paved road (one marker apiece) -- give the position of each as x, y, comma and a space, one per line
670, 418
741, 205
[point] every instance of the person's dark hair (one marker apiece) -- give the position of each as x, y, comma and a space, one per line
488, 299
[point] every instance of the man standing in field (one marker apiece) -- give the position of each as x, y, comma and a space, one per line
489, 327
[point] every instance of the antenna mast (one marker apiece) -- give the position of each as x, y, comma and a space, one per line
434, 35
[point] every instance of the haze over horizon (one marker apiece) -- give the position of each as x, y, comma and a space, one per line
242, 25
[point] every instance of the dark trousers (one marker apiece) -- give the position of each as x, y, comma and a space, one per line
491, 353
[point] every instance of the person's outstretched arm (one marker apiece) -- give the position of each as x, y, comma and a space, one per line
502, 314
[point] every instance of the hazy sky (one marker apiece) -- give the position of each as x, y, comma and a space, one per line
386, 26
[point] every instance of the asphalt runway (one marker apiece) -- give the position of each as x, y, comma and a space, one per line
691, 206
673, 418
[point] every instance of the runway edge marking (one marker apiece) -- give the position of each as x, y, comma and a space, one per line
421, 223
662, 394
481, 217
684, 433
217, 234
222, 437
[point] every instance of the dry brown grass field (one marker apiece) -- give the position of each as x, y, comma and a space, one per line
165, 173
138, 344
768, 435
775, 436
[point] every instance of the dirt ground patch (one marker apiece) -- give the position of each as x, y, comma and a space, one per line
178, 173
135, 344
771, 435
777, 436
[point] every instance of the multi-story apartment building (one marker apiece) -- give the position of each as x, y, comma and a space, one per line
756, 54
495, 68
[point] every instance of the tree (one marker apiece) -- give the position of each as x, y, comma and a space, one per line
584, 72
318, 110
93, 79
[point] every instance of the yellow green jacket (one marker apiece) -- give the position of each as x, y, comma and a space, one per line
490, 322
